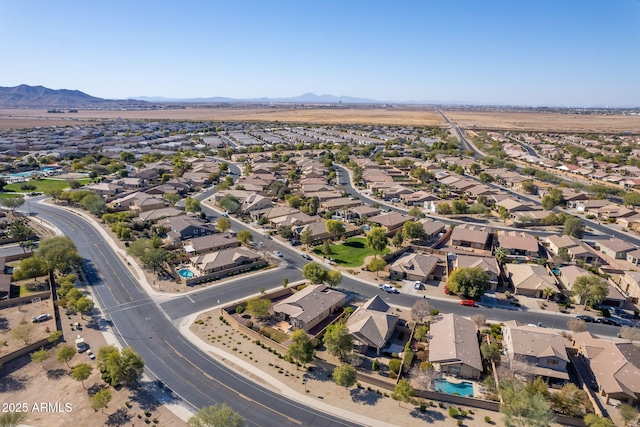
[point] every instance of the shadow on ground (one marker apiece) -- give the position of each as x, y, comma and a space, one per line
428, 416
364, 396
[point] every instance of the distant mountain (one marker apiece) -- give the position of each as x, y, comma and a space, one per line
307, 98
25, 96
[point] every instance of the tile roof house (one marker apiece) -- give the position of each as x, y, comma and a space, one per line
310, 306
630, 283
391, 221
576, 248
224, 261
542, 348
363, 211
518, 243
185, 227
432, 228
371, 325
530, 279
454, 348
615, 248
615, 366
470, 236
212, 242
156, 214
255, 202
414, 266
487, 264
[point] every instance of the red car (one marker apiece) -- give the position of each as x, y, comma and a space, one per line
468, 302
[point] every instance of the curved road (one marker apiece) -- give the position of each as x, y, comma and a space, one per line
140, 323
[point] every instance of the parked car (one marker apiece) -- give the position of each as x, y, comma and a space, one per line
609, 321
91, 354
307, 256
384, 286
586, 318
468, 302
278, 254
417, 284
392, 290
41, 318
295, 242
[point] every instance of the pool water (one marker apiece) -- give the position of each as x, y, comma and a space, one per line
464, 388
186, 273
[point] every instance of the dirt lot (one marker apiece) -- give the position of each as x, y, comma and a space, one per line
544, 121
22, 382
400, 116
13, 316
318, 384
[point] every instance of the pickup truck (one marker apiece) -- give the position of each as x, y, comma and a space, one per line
81, 346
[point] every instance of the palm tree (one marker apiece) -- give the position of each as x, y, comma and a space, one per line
548, 293
501, 254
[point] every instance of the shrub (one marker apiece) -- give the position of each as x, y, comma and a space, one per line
375, 365
434, 312
249, 324
394, 365
487, 419
240, 309
199, 322
459, 422
463, 413
453, 412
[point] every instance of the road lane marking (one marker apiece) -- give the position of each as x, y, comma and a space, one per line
191, 299
293, 420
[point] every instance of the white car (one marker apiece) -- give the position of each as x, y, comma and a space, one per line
417, 285
91, 355
278, 254
307, 257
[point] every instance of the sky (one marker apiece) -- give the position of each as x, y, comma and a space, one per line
578, 53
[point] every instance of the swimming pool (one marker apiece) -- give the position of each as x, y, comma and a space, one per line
186, 273
463, 388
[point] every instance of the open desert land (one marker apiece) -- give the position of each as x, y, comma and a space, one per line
427, 116
530, 121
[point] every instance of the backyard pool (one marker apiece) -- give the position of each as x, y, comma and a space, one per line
464, 388
186, 273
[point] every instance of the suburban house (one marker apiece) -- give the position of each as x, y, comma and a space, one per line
518, 243
415, 266
362, 212
568, 275
471, 236
371, 325
154, 215
543, 349
341, 203
418, 198
255, 202
210, 243
530, 279
576, 248
432, 228
615, 248
310, 306
273, 212
487, 264
630, 283
221, 263
615, 366
454, 348
185, 227
391, 221
293, 219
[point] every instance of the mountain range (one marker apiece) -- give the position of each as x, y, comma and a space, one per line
25, 96
309, 98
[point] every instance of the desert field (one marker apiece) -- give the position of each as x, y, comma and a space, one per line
512, 120
16, 118
398, 116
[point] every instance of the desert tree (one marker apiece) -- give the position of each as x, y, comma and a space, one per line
630, 333
81, 372
479, 320
40, 356
100, 400
576, 325
421, 310
403, 391
301, 348
345, 375
220, 415
65, 353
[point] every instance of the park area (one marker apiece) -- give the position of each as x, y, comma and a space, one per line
351, 253
42, 185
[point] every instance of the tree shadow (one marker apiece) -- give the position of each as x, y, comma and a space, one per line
318, 374
364, 396
143, 398
12, 383
354, 244
4, 324
119, 418
96, 388
427, 416
56, 374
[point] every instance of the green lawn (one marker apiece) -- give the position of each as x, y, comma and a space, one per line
44, 184
351, 253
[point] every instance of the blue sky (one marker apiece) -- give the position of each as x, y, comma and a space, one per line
519, 52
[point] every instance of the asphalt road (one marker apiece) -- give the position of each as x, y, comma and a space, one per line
187, 371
